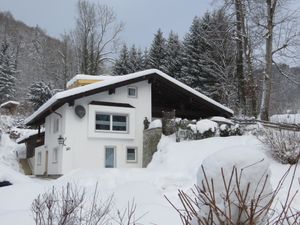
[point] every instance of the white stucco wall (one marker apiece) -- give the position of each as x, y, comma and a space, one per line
85, 147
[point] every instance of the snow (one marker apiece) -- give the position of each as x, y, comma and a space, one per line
89, 77
252, 164
203, 125
26, 133
155, 124
8, 157
114, 80
9, 103
223, 127
220, 119
286, 118
206, 125
174, 166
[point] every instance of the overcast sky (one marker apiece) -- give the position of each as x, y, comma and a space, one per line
142, 18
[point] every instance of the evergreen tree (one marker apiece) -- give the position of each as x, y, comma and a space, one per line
7, 72
121, 66
135, 60
157, 51
146, 64
173, 60
39, 93
192, 68
208, 59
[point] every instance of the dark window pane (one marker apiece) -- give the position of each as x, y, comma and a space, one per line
131, 91
102, 122
131, 154
119, 123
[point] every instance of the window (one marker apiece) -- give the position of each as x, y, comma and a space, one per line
109, 157
55, 125
132, 92
102, 122
111, 122
39, 158
119, 123
55, 155
131, 154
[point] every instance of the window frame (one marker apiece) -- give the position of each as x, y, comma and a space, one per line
135, 154
136, 92
111, 130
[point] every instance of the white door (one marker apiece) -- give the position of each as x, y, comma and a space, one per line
110, 155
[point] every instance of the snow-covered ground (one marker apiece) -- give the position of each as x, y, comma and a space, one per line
173, 167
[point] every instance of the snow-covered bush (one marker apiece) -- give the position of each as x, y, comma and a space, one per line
71, 205
284, 145
224, 130
204, 129
233, 187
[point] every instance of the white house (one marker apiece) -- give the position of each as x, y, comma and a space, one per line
100, 124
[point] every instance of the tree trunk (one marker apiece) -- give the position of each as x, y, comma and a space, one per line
239, 56
266, 90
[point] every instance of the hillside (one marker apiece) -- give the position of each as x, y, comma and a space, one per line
37, 54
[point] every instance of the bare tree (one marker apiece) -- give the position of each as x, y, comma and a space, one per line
95, 36
67, 57
280, 35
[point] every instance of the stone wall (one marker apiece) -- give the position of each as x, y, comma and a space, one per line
150, 141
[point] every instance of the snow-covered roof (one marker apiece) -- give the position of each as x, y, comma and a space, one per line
26, 133
60, 96
89, 77
220, 119
9, 103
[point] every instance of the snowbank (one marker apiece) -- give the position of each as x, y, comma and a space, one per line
252, 167
8, 156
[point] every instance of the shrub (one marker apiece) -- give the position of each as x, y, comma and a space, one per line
70, 206
284, 145
237, 204
224, 130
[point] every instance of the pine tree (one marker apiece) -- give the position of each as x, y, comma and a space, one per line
219, 57
146, 64
173, 60
121, 66
208, 59
39, 93
7, 73
135, 60
192, 68
157, 51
